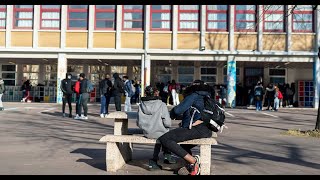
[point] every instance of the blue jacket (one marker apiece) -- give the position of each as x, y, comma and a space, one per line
195, 99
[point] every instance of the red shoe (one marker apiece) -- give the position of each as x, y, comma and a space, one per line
195, 168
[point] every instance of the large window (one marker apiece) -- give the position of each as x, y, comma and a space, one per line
23, 16
208, 75
31, 72
97, 73
185, 75
8, 74
164, 74
50, 16
78, 17
121, 70
3, 12
105, 16
189, 17
51, 75
245, 18
161, 17
217, 17
302, 19
273, 18
133, 17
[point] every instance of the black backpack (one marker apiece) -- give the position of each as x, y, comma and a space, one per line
213, 114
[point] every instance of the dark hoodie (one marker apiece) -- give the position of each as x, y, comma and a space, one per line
67, 85
118, 85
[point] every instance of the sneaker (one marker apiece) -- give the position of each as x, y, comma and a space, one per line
102, 115
195, 168
77, 117
64, 115
169, 159
84, 117
153, 165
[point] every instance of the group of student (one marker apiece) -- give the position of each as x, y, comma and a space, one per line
155, 121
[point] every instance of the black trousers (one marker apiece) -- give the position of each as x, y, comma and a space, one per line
171, 139
117, 102
66, 98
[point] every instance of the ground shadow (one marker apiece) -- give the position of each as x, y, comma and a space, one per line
97, 157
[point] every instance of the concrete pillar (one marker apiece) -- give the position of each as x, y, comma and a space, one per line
19, 75
42, 73
91, 26
260, 28
288, 28
266, 79
232, 79
142, 74
36, 24
118, 26
316, 74
61, 74
174, 26
146, 26
147, 70
203, 26
64, 15
220, 75
175, 70
197, 71
231, 27
9, 22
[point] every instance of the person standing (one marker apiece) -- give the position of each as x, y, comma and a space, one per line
82, 99
66, 87
117, 91
258, 95
174, 88
26, 88
2, 91
105, 93
128, 93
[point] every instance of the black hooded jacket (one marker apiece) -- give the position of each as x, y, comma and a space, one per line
67, 85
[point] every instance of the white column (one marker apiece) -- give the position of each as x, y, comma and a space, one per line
64, 15
118, 26
36, 24
260, 28
9, 25
61, 74
91, 26
174, 26
146, 27
142, 74
231, 27
316, 73
147, 67
288, 28
203, 26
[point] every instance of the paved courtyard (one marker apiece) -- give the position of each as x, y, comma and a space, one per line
36, 139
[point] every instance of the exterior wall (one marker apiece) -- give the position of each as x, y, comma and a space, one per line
49, 39
302, 42
104, 40
77, 39
245, 41
216, 41
302, 74
132, 40
276, 42
2, 38
160, 40
188, 40
21, 38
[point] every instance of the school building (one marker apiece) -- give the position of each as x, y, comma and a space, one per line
220, 44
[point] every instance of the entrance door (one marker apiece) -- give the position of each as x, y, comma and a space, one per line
252, 76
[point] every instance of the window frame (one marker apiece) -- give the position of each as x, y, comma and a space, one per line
245, 12
161, 11
15, 10
50, 10
267, 12
133, 11
312, 21
189, 11
5, 11
208, 11
77, 10
105, 11
183, 74
209, 75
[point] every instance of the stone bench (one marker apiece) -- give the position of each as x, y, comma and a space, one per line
119, 145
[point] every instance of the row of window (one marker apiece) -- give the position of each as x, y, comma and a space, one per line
161, 17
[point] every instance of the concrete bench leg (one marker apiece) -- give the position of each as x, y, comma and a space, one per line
117, 154
205, 159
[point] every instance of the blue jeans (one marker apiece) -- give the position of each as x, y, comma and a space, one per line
259, 105
105, 100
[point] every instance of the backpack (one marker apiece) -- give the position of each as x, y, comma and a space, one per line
133, 88
129, 88
258, 92
166, 89
213, 114
280, 96
89, 86
77, 87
